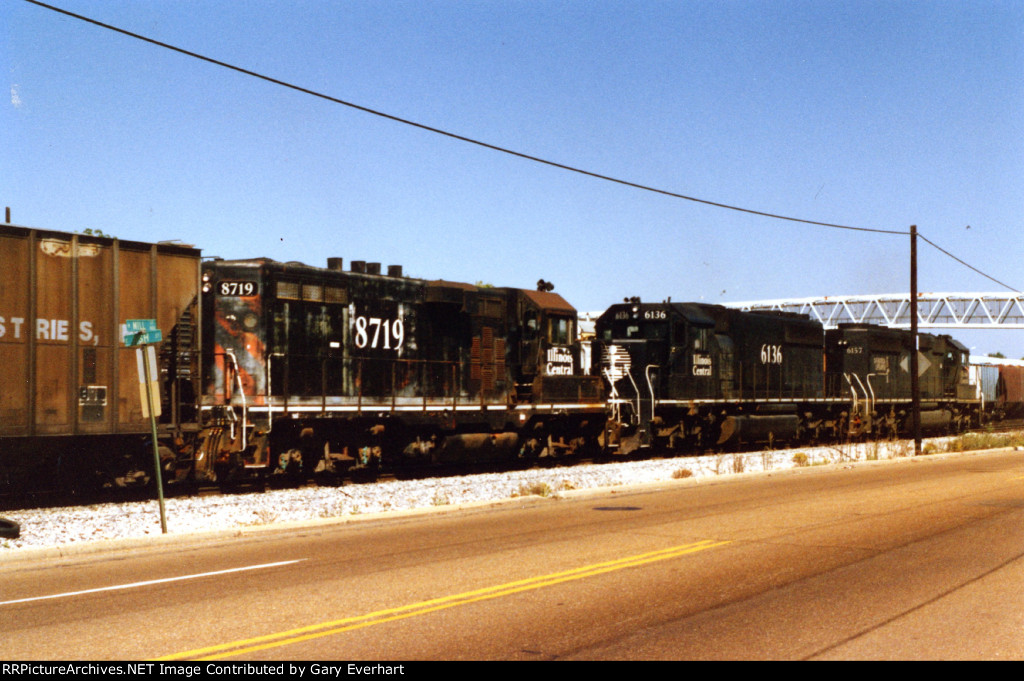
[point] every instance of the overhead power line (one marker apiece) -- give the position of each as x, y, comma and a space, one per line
447, 133
944, 251
487, 145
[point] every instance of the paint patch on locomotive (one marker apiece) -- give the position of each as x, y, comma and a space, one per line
379, 328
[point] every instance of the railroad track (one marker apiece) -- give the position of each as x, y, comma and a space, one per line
1002, 427
11, 502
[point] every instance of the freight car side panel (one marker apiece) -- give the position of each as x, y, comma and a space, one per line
97, 341
14, 311
134, 301
153, 283
177, 281
52, 335
1010, 391
63, 368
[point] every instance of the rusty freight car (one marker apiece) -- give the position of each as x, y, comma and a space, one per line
70, 412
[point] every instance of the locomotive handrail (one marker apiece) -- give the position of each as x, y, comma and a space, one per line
637, 390
867, 398
874, 399
853, 391
270, 403
613, 395
230, 354
650, 386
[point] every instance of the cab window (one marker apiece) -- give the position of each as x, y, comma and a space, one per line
560, 330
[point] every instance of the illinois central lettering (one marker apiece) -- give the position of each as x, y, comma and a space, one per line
702, 365
559, 362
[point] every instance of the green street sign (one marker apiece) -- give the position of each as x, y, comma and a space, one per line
141, 332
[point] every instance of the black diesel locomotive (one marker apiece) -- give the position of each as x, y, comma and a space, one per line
309, 371
689, 376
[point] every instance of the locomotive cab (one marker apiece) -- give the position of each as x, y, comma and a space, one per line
547, 355
653, 352
955, 376
651, 355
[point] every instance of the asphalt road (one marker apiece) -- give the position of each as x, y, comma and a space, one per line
914, 559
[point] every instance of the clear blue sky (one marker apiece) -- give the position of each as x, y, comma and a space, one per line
862, 113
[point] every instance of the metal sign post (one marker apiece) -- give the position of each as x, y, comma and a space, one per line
143, 333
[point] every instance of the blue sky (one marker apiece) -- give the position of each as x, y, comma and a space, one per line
862, 113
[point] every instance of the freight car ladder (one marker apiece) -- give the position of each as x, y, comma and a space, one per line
178, 359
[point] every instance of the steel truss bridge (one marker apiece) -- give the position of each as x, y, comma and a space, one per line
934, 310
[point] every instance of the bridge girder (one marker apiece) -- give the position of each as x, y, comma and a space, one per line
934, 310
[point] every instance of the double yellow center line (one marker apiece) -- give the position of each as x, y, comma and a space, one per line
252, 645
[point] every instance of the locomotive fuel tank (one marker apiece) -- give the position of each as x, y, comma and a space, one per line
757, 428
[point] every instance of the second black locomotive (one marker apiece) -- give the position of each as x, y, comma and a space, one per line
695, 376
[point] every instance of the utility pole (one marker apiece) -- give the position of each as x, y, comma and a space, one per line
915, 384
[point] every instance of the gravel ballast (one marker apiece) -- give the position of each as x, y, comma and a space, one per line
53, 527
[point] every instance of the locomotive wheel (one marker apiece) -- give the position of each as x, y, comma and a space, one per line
820, 433
287, 469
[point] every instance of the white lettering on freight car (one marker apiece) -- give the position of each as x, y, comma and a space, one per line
52, 329
15, 323
49, 329
62, 249
85, 333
